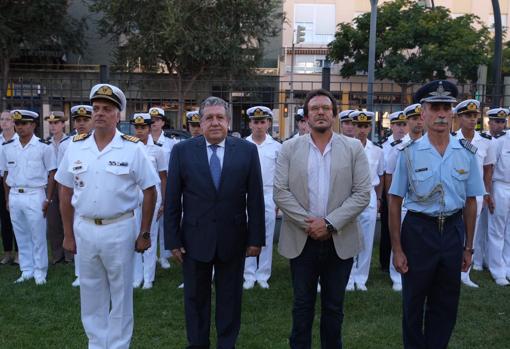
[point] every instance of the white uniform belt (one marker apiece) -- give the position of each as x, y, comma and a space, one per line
24, 190
105, 221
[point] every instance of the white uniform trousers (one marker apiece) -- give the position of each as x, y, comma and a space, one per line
163, 253
478, 251
498, 243
106, 281
395, 276
367, 220
29, 225
145, 263
481, 236
262, 271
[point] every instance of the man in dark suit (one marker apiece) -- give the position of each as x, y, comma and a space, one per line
218, 222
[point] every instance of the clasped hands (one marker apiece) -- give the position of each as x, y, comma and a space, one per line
317, 229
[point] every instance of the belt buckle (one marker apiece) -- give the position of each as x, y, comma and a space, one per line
98, 221
21, 190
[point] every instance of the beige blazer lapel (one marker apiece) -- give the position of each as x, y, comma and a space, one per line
301, 170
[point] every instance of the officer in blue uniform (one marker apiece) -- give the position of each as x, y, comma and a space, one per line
439, 179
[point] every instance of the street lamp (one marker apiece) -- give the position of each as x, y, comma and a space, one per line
298, 36
371, 61
498, 56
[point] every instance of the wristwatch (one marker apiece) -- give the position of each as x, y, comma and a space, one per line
146, 235
331, 229
470, 250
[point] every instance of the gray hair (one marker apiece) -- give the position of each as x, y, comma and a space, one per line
213, 101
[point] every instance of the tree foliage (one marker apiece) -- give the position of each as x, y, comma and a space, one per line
414, 44
191, 38
27, 26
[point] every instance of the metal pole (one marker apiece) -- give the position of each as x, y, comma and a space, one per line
104, 74
371, 61
326, 75
291, 99
498, 57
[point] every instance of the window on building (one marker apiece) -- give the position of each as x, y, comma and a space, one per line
319, 21
504, 23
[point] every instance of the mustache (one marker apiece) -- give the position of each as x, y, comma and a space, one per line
441, 122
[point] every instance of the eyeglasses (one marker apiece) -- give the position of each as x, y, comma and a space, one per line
316, 108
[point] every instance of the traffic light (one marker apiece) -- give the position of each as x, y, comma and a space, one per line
300, 34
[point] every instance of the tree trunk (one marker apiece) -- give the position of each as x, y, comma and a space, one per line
180, 96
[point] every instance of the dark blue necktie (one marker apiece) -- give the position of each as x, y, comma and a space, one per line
215, 166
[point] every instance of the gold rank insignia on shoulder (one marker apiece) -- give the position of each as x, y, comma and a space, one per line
461, 171
468, 145
131, 138
81, 137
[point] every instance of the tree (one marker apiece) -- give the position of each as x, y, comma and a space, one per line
27, 26
190, 38
414, 44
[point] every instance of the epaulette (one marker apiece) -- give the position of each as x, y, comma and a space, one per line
502, 133
158, 144
485, 135
131, 138
394, 143
384, 139
44, 141
453, 133
168, 135
48, 139
9, 141
467, 144
378, 145
406, 144
65, 139
81, 137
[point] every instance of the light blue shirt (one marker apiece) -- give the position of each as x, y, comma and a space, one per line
220, 151
456, 172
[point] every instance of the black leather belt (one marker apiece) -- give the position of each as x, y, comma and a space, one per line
439, 220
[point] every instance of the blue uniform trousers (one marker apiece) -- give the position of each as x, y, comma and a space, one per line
431, 287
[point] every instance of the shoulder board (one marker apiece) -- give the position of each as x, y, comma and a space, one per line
44, 141
485, 135
500, 134
453, 133
378, 145
131, 138
467, 144
65, 139
158, 144
384, 139
394, 143
9, 141
81, 137
168, 135
406, 144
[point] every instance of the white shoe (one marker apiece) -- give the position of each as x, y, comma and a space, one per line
248, 284
181, 285
467, 281
397, 287
502, 282
350, 286
40, 280
23, 278
361, 287
318, 287
137, 283
477, 267
165, 264
263, 284
76, 283
147, 285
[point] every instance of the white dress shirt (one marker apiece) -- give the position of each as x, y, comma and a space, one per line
319, 172
268, 152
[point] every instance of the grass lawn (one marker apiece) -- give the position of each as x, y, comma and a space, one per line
49, 316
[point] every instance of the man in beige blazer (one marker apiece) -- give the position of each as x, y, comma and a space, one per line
321, 185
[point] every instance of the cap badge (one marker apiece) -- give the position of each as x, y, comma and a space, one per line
105, 91
362, 117
17, 116
501, 114
139, 120
440, 92
258, 113
81, 111
154, 112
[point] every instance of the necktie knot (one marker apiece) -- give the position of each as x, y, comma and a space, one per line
214, 147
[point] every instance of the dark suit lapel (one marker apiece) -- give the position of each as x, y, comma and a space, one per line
203, 161
228, 158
